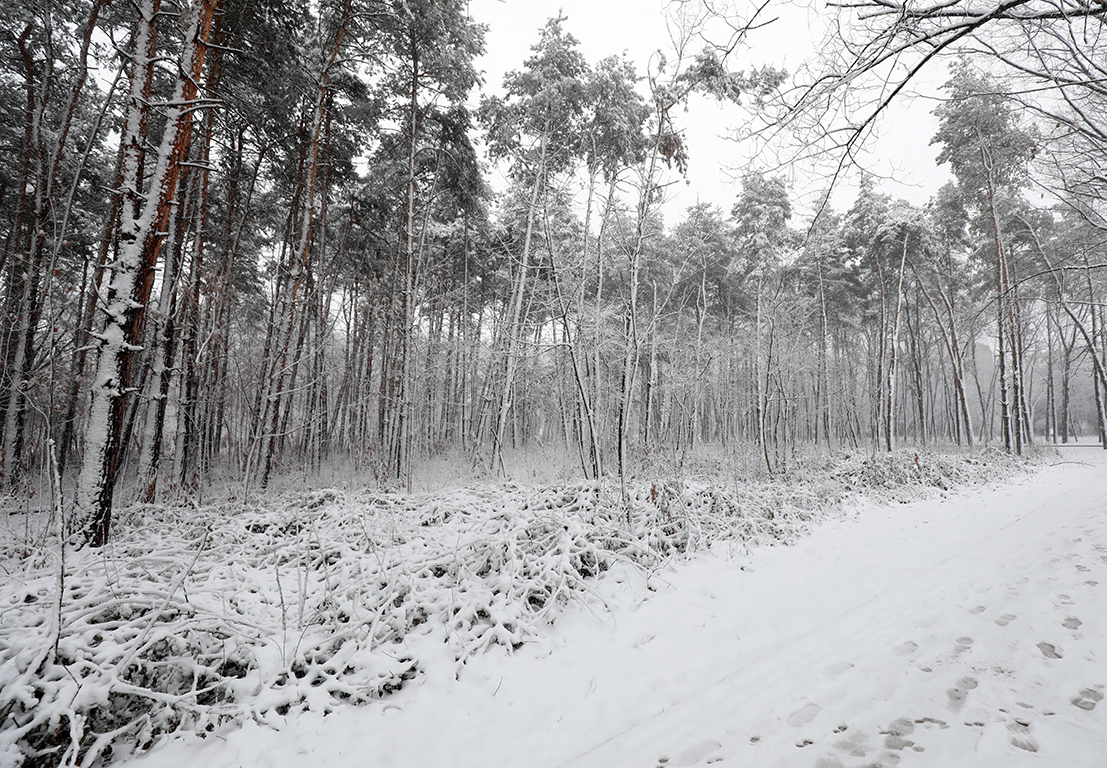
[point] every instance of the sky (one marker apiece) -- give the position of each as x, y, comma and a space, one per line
637, 28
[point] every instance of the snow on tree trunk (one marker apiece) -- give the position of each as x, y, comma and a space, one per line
126, 283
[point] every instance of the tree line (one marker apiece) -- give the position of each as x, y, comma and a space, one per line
244, 237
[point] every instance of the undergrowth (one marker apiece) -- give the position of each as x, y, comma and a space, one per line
197, 617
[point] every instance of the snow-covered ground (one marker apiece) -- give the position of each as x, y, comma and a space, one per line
969, 630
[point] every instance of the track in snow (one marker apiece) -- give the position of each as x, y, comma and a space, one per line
969, 649
968, 631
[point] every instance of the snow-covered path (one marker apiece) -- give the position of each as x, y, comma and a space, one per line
966, 631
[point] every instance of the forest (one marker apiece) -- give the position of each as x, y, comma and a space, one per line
260, 244
246, 238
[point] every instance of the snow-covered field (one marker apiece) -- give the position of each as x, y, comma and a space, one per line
960, 629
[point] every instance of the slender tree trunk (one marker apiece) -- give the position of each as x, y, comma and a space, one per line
823, 407
1001, 298
1100, 373
164, 348
890, 390
514, 329
1051, 399
277, 387
44, 148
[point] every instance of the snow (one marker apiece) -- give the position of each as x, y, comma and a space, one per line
556, 625
962, 629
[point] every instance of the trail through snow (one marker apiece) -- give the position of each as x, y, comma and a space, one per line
969, 630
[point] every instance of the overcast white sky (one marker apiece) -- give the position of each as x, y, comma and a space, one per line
638, 28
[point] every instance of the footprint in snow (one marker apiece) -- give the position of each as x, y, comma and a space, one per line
1071, 623
942, 724
804, 715
1065, 599
977, 609
904, 726
1006, 619
1021, 738
836, 669
1019, 726
1087, 699
905, 649
962, 645
960, 692
853, 745
696, 754
896, 732
1049, 650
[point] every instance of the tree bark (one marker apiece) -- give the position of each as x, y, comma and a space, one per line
126, 285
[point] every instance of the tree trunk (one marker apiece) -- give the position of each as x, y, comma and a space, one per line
126, 285
890, 390
514, 329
